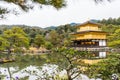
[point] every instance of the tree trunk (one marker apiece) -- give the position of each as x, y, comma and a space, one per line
8, 55
69, 78
68, 75
10, 75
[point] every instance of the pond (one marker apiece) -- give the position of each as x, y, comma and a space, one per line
33, 67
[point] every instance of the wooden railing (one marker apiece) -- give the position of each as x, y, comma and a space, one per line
92, 49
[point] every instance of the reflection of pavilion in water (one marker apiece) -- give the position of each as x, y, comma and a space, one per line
89, 36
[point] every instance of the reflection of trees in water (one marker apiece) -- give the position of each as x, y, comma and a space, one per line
45, 72
10, 75
22, 61
7, 72
27, 66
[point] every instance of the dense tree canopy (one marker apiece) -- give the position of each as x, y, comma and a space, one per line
106, 67
115, 39
3, 44
113, 21
39, 40
16, 39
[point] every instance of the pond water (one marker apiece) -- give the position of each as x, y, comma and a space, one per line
33, 68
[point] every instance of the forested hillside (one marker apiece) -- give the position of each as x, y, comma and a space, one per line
50, 36
112, 27
114, 21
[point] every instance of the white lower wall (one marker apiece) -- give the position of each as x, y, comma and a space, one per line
102, 42
102, 54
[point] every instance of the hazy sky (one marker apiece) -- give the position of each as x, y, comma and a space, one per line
77, 11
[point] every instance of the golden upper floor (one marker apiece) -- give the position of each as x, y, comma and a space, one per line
89, 30
88, 26
89, 35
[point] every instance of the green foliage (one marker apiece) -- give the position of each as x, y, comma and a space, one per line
114, 39
67, 28
68, 59
25, 78
54, 38
115, 44
106, 68
112, 27
39, 40
48, 45
32, 32
60, 36
113, 21
16, 38
2, 11
3, 44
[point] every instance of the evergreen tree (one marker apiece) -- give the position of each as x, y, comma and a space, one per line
16, 38
39, 40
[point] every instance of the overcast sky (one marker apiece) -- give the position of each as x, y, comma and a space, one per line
77, 11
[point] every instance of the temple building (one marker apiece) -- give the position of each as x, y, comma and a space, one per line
90, 35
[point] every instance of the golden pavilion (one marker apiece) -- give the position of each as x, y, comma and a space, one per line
89, 35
